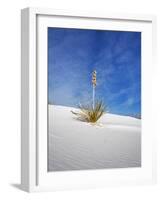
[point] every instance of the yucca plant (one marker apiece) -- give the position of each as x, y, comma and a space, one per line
91, 114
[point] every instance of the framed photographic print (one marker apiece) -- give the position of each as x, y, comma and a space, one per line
86, 99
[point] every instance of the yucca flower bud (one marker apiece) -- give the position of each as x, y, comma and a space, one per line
94, 81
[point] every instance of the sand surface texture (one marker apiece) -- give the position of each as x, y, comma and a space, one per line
115, 142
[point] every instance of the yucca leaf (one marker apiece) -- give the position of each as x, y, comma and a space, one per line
89, 114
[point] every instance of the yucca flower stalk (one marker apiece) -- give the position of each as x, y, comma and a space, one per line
94, 83
91, 112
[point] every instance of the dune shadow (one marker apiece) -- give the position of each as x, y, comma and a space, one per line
108, 124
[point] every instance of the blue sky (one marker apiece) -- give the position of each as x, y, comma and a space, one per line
116, 56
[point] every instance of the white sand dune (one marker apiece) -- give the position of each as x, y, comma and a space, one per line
77, 145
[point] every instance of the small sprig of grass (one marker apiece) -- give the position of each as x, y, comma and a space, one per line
89, 114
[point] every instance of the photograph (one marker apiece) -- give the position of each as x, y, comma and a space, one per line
94, 99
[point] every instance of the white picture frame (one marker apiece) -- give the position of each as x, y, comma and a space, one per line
34, 175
